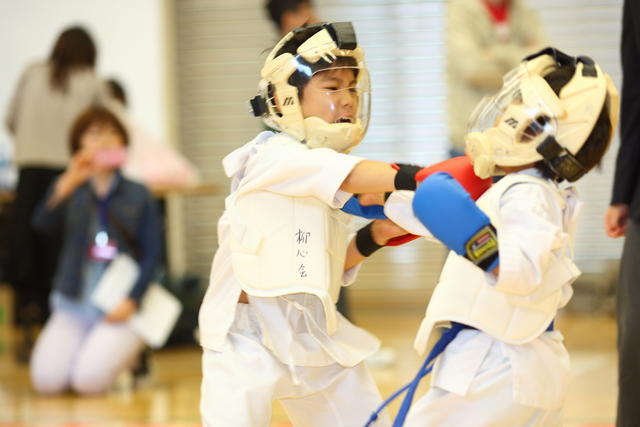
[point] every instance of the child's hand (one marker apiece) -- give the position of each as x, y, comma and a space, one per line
383, 230
81, 166
79, 170
369, 199
122, 311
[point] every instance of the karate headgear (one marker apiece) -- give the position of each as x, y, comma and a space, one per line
323, 47
527, 122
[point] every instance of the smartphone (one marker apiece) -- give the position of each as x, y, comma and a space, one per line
110, 158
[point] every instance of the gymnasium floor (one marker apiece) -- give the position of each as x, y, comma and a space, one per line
169, 397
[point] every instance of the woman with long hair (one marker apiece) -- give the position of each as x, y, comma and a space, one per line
49, 96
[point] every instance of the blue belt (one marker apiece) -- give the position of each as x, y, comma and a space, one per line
549, 328
447, 336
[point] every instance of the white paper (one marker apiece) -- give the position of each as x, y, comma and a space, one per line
116, 283
158, 314
159, 309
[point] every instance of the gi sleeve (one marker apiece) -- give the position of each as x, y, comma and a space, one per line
300, 172
530, 229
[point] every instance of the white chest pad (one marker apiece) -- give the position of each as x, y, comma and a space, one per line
466, 294
284, 245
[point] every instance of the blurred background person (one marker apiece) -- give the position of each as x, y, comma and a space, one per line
163, 170
622, 218
289, 14
157, 165
49, 96
103, 215
485, 39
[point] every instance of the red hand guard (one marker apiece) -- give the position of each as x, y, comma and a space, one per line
461, 169
401, 240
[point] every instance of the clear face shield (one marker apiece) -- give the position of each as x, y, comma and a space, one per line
338, 95
320, 94
506, 129
527, 121
525, 108
334, 95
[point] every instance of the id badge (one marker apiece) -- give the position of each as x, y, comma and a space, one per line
102, 248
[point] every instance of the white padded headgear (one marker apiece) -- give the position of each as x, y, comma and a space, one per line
527, 122
323, 47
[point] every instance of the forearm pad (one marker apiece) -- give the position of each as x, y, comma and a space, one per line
448, 212
353, 207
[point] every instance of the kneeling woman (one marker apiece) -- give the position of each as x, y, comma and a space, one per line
102, 215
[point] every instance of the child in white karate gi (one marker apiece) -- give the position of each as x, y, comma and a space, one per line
268, 324
510, 269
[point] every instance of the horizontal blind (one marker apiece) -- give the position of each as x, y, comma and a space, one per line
219, 45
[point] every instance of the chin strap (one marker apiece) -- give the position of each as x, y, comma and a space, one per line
562, 162
258, 106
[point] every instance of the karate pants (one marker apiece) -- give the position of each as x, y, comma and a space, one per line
241, 382
479, 369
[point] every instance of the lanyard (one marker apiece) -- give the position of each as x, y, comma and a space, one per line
103, 211
102, 236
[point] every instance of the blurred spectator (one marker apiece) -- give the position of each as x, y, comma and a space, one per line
485, 39
289, 14
49, 96
623, 219
103, 215
117, 91
157, 165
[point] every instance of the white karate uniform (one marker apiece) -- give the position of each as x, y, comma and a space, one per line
278, 347
480, 380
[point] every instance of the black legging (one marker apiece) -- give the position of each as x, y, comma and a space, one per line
32, 256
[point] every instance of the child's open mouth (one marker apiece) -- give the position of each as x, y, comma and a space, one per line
344, 120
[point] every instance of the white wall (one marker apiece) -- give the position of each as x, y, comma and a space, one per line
130, 37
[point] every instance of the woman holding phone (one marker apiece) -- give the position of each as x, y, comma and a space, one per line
104, 216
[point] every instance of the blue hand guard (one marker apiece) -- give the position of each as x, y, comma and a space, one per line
449, 213
354, 207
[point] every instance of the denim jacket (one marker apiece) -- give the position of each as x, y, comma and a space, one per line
132, 222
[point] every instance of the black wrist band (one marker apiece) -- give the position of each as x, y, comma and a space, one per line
364, 241
405, 178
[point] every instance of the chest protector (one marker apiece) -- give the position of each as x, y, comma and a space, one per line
465, 295
284, 245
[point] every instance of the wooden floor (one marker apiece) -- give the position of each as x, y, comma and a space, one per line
170, 396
